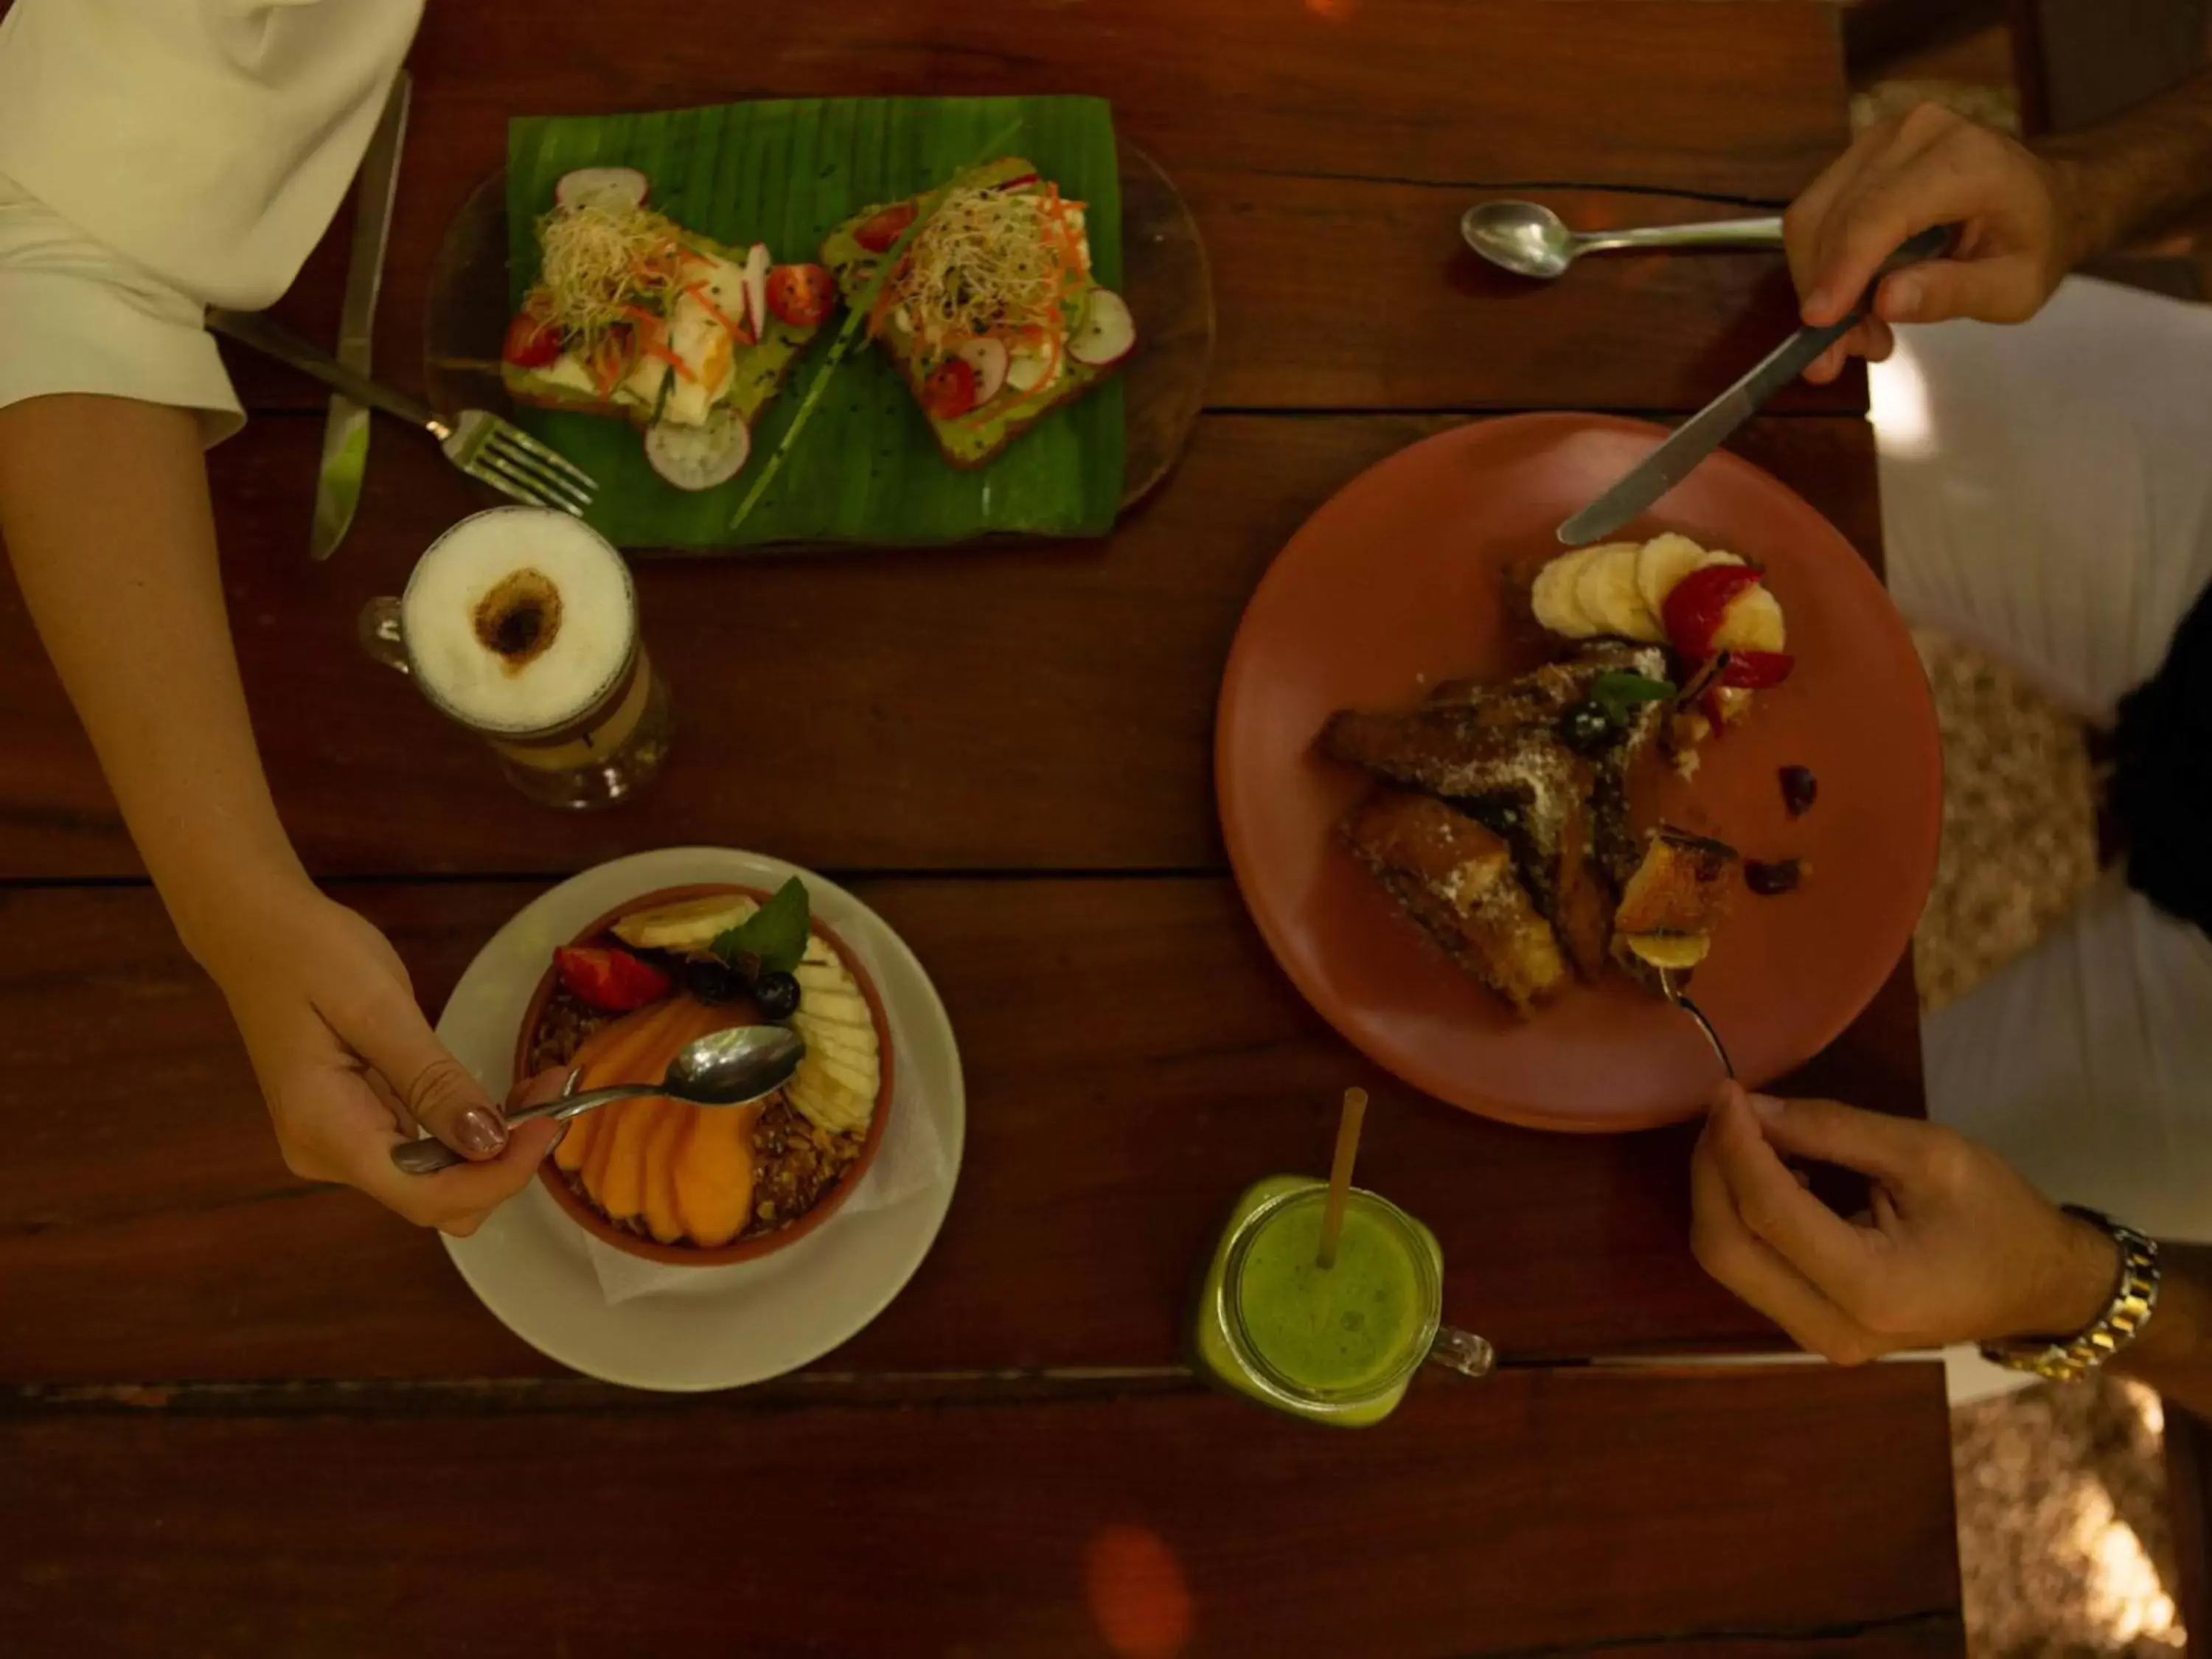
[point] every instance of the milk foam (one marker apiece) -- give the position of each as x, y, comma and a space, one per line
591, 628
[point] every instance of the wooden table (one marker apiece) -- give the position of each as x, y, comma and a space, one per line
246, 1415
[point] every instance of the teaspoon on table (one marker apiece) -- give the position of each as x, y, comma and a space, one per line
727, 1068
1529, 239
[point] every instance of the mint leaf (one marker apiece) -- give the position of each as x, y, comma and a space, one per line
1624, 688
775, 935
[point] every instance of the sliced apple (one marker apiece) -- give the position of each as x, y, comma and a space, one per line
712, 1177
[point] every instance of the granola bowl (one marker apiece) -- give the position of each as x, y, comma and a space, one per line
694, 1185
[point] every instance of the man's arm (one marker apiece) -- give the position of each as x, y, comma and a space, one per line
2027, 214
1953, 1247
103, 508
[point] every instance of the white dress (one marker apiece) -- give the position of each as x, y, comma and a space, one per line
157, 157
2047, 496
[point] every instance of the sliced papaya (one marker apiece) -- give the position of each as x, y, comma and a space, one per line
623, 1194
664, 1146
714, 1176
576, 1145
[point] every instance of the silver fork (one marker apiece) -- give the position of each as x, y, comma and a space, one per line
1671, 988
486, 447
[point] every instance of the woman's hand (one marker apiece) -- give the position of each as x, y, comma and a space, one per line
1954, 1246
349, 1066
1929, 166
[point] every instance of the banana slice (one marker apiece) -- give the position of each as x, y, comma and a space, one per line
1554, 599
1607, 595
692, 925
836, 1086
1753, 621
1664, 560
848, 1043
1670, 950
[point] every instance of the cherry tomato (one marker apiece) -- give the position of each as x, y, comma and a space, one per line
950, 391
1694, 609
876, 234
1756, 670
801, 295
531, 341
613, 981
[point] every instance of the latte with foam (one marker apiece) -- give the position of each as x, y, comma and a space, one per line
519, 621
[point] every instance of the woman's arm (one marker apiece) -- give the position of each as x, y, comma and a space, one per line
104, 507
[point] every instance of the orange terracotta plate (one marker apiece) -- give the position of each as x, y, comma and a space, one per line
1408, 576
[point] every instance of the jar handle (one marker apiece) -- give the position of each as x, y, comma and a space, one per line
1462, 1351
378, 631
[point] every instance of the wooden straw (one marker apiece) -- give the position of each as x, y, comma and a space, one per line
1340, 1174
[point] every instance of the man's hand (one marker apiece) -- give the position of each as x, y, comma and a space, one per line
1930, 167
349, 1067
1954, 1246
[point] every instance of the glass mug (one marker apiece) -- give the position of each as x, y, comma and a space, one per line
520, 624
1302, 1340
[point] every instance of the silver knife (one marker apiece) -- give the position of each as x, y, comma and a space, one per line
1679, 451
345, 433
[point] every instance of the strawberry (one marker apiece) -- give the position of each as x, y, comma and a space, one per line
613, 981
1756, 670
1698, 603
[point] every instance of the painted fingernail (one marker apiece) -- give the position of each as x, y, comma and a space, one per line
480, 1130
1766, 1106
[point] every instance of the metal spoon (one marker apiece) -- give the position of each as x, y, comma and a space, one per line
1529, 239
1675, 993
729, 1069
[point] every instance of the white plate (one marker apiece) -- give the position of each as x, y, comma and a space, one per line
726, 1327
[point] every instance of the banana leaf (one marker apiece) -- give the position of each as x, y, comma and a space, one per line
864, 468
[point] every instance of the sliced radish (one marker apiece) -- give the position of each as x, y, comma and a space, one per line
1107, 331
988, 358
608, 187
699, 457
756, 269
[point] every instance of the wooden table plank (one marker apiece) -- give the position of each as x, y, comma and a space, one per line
1134, 1061
1530, 1512
1080, 679
1337, 293
1380, 108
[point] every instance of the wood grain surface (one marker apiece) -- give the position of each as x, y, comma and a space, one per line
241, 1414
1044, 707
1543, 1513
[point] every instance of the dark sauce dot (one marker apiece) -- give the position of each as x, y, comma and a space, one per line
1768, 880
1800, 789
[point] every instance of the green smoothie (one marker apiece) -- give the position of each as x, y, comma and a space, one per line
1338, 1329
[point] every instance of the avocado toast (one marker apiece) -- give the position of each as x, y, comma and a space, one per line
992, 314
636, 317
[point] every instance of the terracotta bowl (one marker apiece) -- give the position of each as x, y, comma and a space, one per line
692, 1255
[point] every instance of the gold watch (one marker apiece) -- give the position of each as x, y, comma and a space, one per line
2134, 1298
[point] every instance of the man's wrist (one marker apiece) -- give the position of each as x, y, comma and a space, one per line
2083, 1271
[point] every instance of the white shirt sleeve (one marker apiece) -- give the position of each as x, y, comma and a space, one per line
74, 317
158, 156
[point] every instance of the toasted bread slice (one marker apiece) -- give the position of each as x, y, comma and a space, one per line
1497, 753
1456, 879
1675, 903
975, 439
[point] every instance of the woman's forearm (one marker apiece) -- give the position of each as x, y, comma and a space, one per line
103, 508
2137, 171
